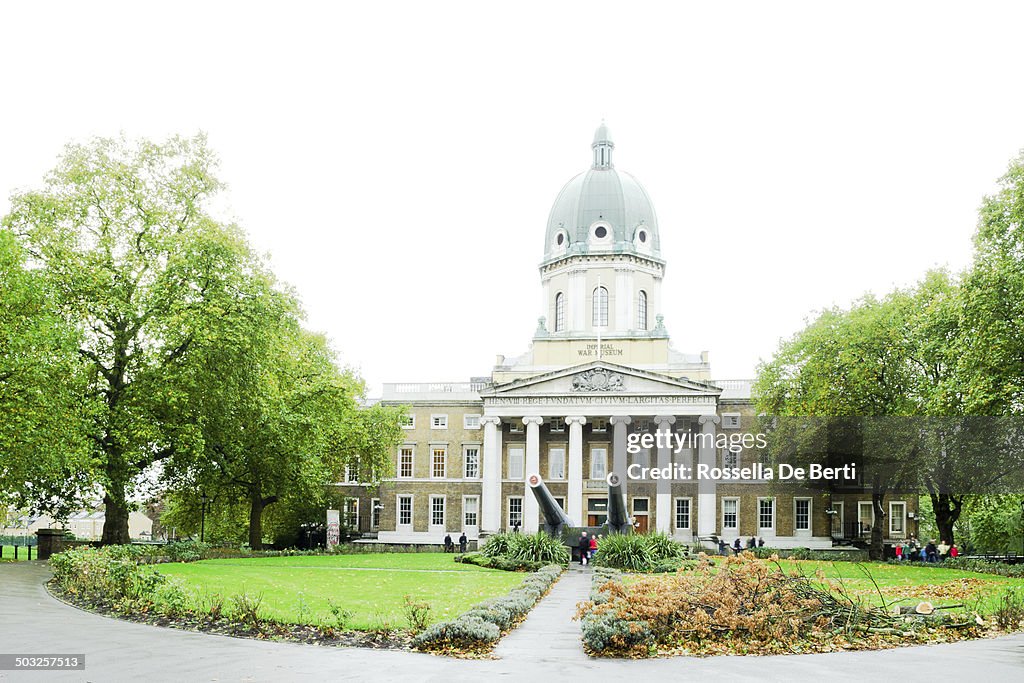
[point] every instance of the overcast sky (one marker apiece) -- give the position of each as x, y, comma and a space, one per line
398, 161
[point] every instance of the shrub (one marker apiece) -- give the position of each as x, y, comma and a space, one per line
417, 614
185, 551
981, 566
498, 544
340, 614
247, 609
625, 551
463, 633
608, 631
538, 547
108, 575
668, 565
1009, 612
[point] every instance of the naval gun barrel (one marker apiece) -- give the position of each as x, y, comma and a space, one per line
618, 519
555, 519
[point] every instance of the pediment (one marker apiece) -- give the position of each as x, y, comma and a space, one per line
601, 378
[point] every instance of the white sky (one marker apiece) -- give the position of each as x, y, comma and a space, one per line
398, 161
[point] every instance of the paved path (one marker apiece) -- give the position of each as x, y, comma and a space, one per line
33, 622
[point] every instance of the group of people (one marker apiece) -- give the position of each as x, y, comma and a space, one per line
449, 545
587, 547
912, 550
737, 545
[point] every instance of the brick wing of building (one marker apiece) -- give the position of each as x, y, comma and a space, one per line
601, 366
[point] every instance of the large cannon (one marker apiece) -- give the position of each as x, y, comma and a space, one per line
618, 519
556, 522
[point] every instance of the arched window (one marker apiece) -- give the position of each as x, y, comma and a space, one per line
559, 312
600, 307
641, 311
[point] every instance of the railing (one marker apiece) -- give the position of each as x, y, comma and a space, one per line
392, 389
16, 552
733, 388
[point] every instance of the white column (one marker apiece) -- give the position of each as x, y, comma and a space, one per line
619, 459
574, 499
490, 500
707, 503
531, 509
663, 511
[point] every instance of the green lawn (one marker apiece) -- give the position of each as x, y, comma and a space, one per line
912, 582
8, 554
371, 586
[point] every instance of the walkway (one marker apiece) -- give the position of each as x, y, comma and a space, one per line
33, 622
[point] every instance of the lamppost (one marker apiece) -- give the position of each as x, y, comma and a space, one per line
202, 523
1022, 527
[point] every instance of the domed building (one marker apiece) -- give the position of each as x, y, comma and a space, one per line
600, 373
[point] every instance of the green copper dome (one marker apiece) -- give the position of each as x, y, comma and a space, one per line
602, 211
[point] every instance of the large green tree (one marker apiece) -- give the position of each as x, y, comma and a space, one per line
44, 448
122, 234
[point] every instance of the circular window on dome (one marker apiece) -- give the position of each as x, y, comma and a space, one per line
643, 236
601, 232
560, 240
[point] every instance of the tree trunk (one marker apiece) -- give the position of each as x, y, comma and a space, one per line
947, 512
256, 522
875, 550
115, 521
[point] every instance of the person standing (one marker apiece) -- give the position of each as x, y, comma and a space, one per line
737, 546
953, 552
584, 548
593, 546
722, 546
899, 551
462, 542
449, 546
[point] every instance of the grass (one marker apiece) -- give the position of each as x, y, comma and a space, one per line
8, 554
371, 586
912, 582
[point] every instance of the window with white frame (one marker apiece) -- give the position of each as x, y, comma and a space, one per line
600, 317
471, 462
515, 426
730, 513
409, 421
437, 511
730, 458
641, 311
897, 518
802, 514
598, 463
730, 420
405, 457
439, 422
375, 510
557, 424
765, 513
559, 312
556, 463
350, 513
405, 511
515, 512
642, 425
516, 463
682, 513
599, 424
641, 506
470, 511
471, 421
438, 462
351, 474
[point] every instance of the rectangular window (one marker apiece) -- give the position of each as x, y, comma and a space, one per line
408, 422
438, 462
802, 514
643, 458
350, 474
682, 513
730, 513
437, 511
557, 424
515, 463
642, 425
730, 420
598, 463
471, 422
439, 422
405, 511
556, 463
897, 515
515, 512
765, 513
405, 454
470, 511
515, 426
730, 458
350, 513
375, 508
471, 462
641, 506
599, 424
